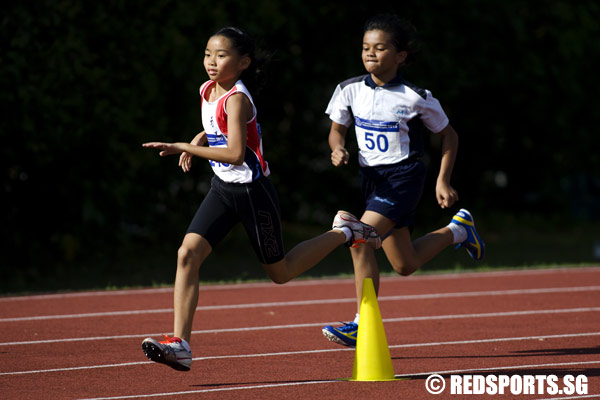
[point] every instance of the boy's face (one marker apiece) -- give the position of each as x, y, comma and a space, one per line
380, 56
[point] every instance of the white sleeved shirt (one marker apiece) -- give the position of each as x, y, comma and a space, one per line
387, 118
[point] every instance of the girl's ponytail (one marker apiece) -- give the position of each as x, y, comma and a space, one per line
253, 76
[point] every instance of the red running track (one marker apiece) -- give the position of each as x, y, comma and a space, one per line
263, 341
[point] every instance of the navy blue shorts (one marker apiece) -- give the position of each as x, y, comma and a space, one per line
394, 191
254, 204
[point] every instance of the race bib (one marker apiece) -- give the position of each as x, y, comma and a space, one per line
220, 167
379, 142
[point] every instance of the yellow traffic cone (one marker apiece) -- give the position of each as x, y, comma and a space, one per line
372, 360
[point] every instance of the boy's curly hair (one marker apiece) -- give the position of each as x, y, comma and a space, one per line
403, 33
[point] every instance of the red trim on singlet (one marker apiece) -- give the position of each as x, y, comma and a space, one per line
253, 137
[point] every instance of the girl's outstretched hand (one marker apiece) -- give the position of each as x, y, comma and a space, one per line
167, 148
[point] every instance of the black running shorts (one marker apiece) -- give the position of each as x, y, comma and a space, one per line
254, 204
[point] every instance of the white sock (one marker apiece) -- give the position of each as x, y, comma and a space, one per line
356, 318
459, 232
346, 232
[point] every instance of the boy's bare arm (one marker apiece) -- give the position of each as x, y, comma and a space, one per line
445, 193
337, 141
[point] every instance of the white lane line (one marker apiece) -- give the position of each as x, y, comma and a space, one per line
259, 386
503, 368
426, 296
303, 352
264, 386
320, 324
589, 396
88, 315
313, 282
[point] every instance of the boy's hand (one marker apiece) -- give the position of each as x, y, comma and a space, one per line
445, 194
339, 156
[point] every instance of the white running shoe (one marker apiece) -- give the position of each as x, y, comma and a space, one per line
361, 232
172, 351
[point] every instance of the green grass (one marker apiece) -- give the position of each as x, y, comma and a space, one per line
511, 242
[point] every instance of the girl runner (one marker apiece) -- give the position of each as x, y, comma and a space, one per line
240, 192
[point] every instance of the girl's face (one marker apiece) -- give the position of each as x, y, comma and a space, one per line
380, 57
222, 62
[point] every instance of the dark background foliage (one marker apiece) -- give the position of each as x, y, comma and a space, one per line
85, 83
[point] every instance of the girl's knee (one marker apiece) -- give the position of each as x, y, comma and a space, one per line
186, 256
278, 275
405, 268
278, 272
279, 279
192, 255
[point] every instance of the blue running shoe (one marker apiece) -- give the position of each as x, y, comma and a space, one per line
344, 335
474, 246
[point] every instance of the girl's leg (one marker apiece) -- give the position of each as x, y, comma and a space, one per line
175, 352
191, 254
304, 256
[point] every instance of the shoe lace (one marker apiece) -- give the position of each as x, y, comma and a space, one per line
355, 243
365, 234
169, 339
367, 231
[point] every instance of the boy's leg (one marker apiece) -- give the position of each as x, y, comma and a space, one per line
363, 258
407, 256
365, 266
402, 254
